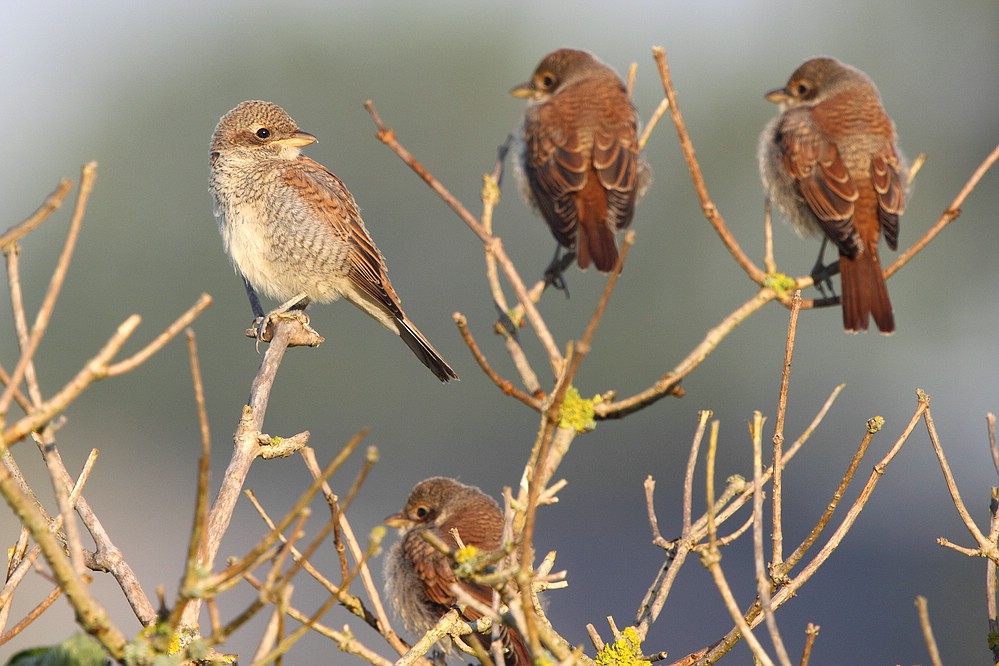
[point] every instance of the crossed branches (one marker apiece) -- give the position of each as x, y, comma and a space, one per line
282, 554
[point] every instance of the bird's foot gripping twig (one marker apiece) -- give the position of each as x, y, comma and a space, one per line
292, 310
822, 277
554, 273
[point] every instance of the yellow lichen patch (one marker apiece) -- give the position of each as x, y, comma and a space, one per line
626, 651
875, 424
577, 412
466, 554
780, 283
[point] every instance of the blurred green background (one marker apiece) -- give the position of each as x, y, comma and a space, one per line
140, 87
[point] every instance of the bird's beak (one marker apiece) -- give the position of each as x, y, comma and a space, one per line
778, 95
397, 520
523, 91
298, 139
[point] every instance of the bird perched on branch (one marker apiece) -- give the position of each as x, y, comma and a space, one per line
293, 230
831, 166
419, 577
580, 158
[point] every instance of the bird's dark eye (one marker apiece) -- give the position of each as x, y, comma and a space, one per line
422, 511
263, 133
802, 89
548, 81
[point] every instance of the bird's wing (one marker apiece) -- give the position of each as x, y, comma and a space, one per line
556, 162
334, 203
886, 177
616, 157
433, 568
822, 177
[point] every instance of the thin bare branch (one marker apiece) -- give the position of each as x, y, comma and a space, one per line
32, 615
196, 544
794, 584
991, 604
668, 384
769, 264
53, 464
990, 423
246, 449
653, 121
49, 206
924, 624
21, 328
777, 535
345, 640
380, 620
811, 633
89, 613
948, 216
89, 173
763, 584
182, 322
95, 369
709, 208
780, 571
711, 558
504, 385
387, 136
987, 548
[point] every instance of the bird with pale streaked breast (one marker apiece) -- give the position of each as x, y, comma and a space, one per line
294, 231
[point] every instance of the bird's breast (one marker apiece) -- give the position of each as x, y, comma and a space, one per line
280, 247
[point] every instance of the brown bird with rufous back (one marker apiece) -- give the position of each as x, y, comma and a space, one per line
830, 164
580, 158
419, 577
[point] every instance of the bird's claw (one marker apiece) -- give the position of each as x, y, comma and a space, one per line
822, 279
264, 327
555, 272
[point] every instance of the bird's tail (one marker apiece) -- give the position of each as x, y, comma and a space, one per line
595, 243
516, 651
424, 351
865, 293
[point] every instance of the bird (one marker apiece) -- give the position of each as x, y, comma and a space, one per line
831, 165
419, 577
580, 162
293, 230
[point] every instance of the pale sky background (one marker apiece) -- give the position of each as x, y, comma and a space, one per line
140, 87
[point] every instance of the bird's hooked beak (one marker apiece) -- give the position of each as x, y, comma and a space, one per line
298, 139
523, 91
778, 95
398, 521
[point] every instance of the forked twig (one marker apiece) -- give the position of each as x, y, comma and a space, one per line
387, 136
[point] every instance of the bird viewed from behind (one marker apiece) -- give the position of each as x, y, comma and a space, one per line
831, 166
580, 160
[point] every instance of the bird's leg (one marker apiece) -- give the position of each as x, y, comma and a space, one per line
258, 312
293, 308
501, 152
555, 273
821, 274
